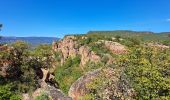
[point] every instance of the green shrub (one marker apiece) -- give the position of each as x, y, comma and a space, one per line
148, 70
68, 73
7, 93
43, 96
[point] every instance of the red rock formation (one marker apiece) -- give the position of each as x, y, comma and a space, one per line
70, 48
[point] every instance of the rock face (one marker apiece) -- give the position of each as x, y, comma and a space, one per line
115, 47
87, 55
117, 89
79, 88
70, 48
47, 86
50, 91
67, 46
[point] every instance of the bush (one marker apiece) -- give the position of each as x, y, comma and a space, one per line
43, 96
7, 93
148, 71
68, 73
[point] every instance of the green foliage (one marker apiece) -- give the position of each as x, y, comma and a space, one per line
69, 72
44, 54
23, 65
148, 69
87, 97
166, 42
145, 36
117, 37
58, 56
89, 66
99, 49
43, 96
85, 41
96, 87
131, 41
7, 93
15, 97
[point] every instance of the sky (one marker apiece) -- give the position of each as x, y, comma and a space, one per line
56, 18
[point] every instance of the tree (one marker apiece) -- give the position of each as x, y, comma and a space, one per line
117, 37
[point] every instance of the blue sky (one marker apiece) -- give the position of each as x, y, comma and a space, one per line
55, 18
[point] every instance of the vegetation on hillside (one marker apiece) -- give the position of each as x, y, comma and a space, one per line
146, 69
21, 67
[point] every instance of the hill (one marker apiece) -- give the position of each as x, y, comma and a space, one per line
144, 35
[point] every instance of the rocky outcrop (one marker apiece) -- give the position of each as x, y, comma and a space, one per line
156, 45
87, 55
50, 91
70, 48
48, 86
115, 47
79, 88
116, 88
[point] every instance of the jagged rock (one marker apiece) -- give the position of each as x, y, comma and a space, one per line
79, 88
70, 48
67, 46
87, 55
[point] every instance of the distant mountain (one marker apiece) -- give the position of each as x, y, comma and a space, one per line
30, 40
144, 35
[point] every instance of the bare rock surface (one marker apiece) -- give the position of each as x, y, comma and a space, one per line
87, 55
161, 46
79, 88
115, 47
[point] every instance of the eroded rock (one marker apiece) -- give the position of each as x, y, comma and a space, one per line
87, 55
115, 88
70, 48
115, 47
79, 88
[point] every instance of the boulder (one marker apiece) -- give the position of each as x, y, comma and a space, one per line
115, 87
50, 91
79, 88
115, 47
